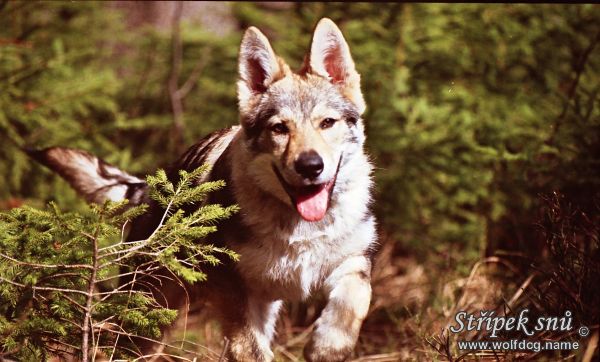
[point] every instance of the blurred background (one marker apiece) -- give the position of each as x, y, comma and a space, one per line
483, 122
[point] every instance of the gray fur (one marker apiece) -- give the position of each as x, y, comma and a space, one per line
283, 256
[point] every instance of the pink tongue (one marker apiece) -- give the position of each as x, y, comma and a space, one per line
314, 206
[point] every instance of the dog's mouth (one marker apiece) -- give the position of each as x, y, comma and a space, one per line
311, 201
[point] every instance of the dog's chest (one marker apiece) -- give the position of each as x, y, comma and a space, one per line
289, 270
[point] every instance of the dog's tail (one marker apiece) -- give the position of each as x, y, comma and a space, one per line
92, 178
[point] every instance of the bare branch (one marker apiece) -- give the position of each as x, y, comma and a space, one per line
176, 104
579, 69
193, 78
177, 93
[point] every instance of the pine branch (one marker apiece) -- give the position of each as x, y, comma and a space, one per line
64, 296
54, 266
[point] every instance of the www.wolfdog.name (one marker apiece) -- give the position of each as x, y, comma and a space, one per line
297, 169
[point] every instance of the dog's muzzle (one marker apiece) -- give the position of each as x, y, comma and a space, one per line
312, 201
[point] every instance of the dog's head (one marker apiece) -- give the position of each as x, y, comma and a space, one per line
300, 126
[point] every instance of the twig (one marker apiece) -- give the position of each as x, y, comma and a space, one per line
579, 68
194, 75
491, 259
89, 300
591, 348
520, 291
143, 243
126, 306
300, 337
131, 335
176, 104
289, 355
386, 357
225, 348
177, 93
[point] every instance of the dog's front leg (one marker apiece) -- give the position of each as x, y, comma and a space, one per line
336, 331
251, 339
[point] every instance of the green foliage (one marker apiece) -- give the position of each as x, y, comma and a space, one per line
473, 110
54, 269
54, 85
65, 82
485, 106
181, 232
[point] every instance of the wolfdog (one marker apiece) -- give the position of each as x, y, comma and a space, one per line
296, 168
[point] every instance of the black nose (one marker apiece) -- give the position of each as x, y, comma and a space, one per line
309, 164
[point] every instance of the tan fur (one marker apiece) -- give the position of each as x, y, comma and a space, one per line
283, 256
293, 262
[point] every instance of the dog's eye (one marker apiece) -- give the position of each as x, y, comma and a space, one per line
279, 128
327, 123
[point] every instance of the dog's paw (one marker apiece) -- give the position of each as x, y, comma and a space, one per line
315, 353
245, 349
334, 347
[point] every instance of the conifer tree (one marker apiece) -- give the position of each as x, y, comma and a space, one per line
59, 271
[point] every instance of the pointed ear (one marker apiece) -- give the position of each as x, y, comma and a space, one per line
258, 66
330, 58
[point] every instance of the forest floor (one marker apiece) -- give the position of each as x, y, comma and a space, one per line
413, 303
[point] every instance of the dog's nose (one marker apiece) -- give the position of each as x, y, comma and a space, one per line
309, 164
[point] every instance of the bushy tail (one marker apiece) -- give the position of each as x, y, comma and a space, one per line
93, 178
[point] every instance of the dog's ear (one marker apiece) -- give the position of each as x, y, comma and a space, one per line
92, 178
258, 67
330, 58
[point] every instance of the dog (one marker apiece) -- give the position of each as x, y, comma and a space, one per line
297, 169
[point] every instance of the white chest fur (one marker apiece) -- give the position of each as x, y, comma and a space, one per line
292, 265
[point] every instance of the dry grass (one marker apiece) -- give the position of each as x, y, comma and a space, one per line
415, 303
563, 277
